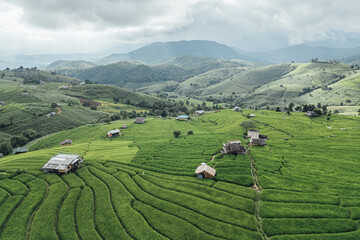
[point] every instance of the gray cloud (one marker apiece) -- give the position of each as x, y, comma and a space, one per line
248, 24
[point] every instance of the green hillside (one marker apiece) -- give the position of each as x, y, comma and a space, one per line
141, 185
66, 67
133, 75
25, 114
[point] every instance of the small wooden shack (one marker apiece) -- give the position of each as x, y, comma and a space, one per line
237, 109
200, 112
19, 150
140, 120
63, 163
182, 117
66, 142
113, 133
311, 114
124, 126
252, 133
233, 147
205, 171
257, 142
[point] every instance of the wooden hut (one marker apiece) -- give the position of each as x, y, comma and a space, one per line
182, 117
205, 171
252, 133
66, 142
63, 163
311, 114
140, 120
113, 133
200, 112
19, 150
257, 142
233, 147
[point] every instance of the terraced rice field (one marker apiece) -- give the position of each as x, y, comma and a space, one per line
141, 185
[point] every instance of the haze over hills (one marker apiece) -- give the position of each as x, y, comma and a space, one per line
160, 52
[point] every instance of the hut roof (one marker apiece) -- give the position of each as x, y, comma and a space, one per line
61, 161
200, 112
19, 150
236, 109
66, 141
115, 131
139, 120
252, 133
258, 141
206, 170
182, 116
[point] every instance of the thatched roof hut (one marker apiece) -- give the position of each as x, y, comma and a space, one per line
252, 133
257, 142
19, 150
140, 120
205, 171
66, 142
200, 112
113, 133
233, 147
63, 163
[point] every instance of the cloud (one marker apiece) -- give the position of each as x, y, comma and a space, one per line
62, 25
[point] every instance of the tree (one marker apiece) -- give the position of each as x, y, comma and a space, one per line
5, 148
176, 133
291, 105
54, 105
17, 141
246, 125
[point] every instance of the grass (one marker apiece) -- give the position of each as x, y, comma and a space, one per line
141, 185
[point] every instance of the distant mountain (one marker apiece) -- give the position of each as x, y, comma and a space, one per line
303, 54
136, 75
41, 60
352, 60
160, 52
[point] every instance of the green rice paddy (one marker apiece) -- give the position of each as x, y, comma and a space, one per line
141, 185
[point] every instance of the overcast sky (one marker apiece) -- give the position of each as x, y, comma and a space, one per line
88, 26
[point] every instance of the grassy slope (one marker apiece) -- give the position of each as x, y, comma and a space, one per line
142, 181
